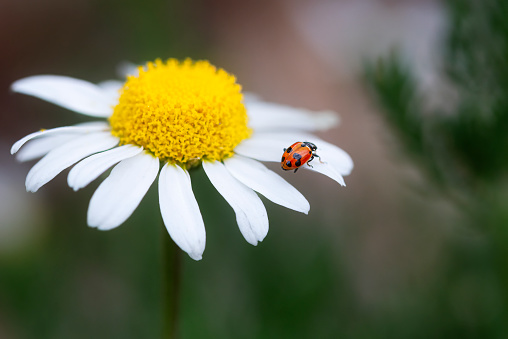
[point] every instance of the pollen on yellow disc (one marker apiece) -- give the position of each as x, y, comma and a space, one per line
181, 112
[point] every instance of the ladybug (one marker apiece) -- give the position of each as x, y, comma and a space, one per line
298, 154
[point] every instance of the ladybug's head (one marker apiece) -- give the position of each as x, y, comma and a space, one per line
309, 145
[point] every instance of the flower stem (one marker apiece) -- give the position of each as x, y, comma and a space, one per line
171, 277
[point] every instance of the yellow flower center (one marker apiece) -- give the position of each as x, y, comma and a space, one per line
182, 112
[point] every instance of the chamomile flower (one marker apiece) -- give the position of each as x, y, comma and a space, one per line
174, 115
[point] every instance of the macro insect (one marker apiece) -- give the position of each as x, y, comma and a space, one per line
298, 154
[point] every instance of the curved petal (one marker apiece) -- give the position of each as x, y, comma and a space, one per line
334, 156
83, 128
180, 211
250, 212
90, 168
264, 181
118, 195
270, 147
66, 155
40, 147
326, 169
266, 116
77, 95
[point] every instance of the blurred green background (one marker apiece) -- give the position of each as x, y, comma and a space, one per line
416, 245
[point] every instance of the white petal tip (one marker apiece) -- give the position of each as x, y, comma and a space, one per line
106, 227
32, 188
196, 257
305, 209
251, 240
72, 185
101, 226
98, 226
24, 85
16, 85
74, 94
257, 241
300, 210
17, 145
75, 186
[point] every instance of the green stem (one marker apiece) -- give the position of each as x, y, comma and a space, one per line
171, 277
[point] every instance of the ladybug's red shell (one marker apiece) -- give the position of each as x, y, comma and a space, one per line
297, 155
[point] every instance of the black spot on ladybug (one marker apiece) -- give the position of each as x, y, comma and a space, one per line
283, 158
288, 163
297, 156
298, 162
289, 149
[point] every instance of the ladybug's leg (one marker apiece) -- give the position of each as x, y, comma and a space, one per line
285, 149
296, 169
308, 162
320, 159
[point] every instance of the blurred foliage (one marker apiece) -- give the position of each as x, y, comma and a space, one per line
461, 143
464, 143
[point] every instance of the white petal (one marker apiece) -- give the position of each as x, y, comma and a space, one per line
180, 211
117, 197
264, 181
41, 146
335, 157
326, 169
90, 168
83, 128
112, 88
250, 212
270, 147
66, 155
74, 94
265, 116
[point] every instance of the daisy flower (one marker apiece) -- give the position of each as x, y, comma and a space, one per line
175, 115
